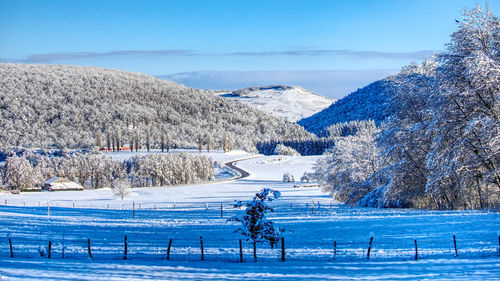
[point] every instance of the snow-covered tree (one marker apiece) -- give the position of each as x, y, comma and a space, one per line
19, 173
200, 142
121, 188
227, 143
404, 143
306, 177
287, 177
255, 226
464, 159
352, 161
209, 142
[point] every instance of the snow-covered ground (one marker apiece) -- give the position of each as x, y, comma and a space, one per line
185, 213
293, 103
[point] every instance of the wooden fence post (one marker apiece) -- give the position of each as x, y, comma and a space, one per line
416, 250
133, 209
206, 206
312, 206
50, 249
73, 204
168, 250
241, 252
221, 210
48, 208
11, 252
369, 249
282, 249
201, 247
334, 250
254, 251
88, 247
455, 244
125, 247
63, 245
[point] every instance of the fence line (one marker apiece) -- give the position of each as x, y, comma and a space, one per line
143, 247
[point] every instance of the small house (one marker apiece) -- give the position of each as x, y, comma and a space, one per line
61, 184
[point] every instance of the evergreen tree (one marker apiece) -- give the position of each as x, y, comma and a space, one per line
254, 225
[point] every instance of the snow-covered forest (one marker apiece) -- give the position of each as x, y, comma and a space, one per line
30, 170
370, 102
440, 147
68, 106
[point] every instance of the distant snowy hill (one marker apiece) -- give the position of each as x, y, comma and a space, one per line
292, 103
370, 102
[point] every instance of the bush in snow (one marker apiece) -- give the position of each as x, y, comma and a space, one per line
305, 178
282, 149
254, 224
122, 188
287, 177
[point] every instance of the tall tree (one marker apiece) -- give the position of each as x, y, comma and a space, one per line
464, 159
108, 141
137, 143
98, 140
200, 142
162, 142
209, 142
148, 139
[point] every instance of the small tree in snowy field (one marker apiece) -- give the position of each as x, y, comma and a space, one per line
287, 177
254, 224
121, 188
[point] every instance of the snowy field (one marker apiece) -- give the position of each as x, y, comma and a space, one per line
185, 213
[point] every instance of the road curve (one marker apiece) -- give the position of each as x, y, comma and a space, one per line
242, 173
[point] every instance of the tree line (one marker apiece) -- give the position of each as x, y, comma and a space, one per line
30, 170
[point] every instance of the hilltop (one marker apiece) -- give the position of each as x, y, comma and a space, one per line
290, 102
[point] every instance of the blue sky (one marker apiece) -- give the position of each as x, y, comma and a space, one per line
318, 43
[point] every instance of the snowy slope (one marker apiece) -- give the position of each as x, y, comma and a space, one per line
370, 102
293, 103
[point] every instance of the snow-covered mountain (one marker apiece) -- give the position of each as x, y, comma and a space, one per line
290, 102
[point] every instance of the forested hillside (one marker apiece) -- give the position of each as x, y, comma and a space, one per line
68, 106
368, 103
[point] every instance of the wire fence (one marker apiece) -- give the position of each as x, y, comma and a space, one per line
121, 231
141, 247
